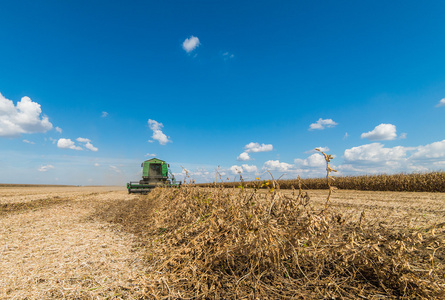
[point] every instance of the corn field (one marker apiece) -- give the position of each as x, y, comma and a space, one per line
414, 182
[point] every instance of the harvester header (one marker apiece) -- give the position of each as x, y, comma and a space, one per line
155, 173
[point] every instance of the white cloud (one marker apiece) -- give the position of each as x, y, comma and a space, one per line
59, 130
67, 144
198, 173
96, 165
236, 169
431, 151
375, 158
250, 169
375, 153
227, 55
104, 114
345, 136
115, 169
316, 160
256, 147
243, 157
382, 132
323, 149
244, 168
83, 140
201, 172
276, 165
402, 136
87, 143
158, 135
150, 154
349, 168
45, 168
90, 146
190, 44
23, 118
322, 124
253, 148
441, 103
28, 142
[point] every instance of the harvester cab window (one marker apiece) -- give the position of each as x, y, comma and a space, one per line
155, 173
155, 170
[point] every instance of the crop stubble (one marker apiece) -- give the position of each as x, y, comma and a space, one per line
56, 250
171, 247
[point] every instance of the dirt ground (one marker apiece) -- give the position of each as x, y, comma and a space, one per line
404, 209
58, 249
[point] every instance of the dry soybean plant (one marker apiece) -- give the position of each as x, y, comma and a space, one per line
329, 178
234, 243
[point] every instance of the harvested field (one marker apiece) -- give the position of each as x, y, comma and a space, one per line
27, 193
101, 243
60, 251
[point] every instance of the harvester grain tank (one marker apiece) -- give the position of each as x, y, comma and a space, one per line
155, 173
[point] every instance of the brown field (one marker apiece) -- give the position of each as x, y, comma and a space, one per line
52, 247
102, 243
26, 193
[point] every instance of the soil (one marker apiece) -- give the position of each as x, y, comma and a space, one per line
56, 249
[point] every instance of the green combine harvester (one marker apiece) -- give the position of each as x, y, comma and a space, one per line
155, 173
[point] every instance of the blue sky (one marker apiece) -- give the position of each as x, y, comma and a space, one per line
90, 89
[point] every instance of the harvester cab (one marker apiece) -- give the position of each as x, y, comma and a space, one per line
155, 173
